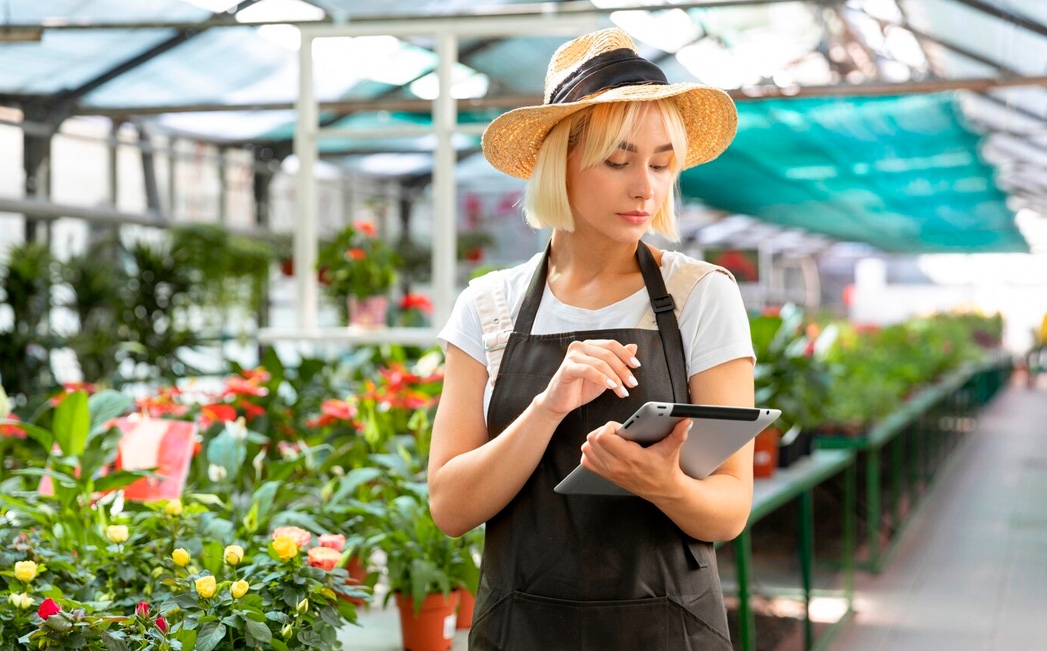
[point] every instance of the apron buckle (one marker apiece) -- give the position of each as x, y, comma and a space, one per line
663, 304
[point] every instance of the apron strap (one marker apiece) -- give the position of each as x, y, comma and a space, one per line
661, 303
680, 285
495, 319
664, 307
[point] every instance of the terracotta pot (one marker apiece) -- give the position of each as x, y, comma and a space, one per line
433, 628
287, 267
368, 312
466, 601
765, 454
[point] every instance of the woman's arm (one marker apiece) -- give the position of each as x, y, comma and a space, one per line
473, 477
711, 509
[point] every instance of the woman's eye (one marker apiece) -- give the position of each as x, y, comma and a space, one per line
615, 166
659, 168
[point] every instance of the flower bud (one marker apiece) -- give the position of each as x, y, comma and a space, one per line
234, 554
173, 507
161, 624
116, 533
180, 557
25, 571
206, 586
142, 610
303, 606
286, 631
23, 600
239, 588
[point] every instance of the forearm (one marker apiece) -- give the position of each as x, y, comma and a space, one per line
713, 509
474, 486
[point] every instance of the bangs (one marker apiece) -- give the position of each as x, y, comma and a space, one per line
606, 126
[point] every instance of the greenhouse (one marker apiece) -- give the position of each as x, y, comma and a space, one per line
328, 324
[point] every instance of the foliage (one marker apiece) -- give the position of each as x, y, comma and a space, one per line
225, 270
791, 374
25, 283
357, 263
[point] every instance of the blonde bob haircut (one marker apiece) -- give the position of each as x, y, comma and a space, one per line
600, 128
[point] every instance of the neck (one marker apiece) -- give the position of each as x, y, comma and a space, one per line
578, 260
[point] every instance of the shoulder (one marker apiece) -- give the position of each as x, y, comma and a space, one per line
512, 282
685, 276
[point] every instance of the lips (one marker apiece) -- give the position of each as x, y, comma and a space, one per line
634, 217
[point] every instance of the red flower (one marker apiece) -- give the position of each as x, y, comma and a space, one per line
162, 625
142, 609
251, 411
324, 557
366, 228
335, 541
48, 608
73, 387
355, 254
238, 386
419, 302
12, 430
258, 375
339, 409
216, 413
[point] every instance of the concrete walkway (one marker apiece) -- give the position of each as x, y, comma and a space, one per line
971, 571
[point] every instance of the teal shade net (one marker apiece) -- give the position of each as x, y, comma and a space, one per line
900, 173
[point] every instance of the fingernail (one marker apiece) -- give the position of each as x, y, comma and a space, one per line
625, 392
635, 362
632, 381
690, 424
611, 383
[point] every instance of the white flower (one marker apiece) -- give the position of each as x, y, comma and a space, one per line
238, 430
216, 472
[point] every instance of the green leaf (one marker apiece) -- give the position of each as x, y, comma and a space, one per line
209, 636
259, 631
112, 643
71, 423
35, 432
65, 480
105, 406
278, 645
119, 479
187, 637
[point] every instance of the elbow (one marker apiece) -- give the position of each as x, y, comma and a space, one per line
444, 515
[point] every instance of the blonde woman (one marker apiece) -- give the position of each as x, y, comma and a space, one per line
544, 361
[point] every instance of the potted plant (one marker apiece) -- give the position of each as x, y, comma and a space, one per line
359, 268
425, 570
790, 375
472, 543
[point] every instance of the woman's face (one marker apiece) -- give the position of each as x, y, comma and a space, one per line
617, 198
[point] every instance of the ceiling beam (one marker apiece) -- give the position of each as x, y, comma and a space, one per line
545, 9
1006, 15
506, 102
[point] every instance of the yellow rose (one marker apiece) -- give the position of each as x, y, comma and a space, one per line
173, 507
285, 546
234, 554
116, 533
25, 571
239, 588
180, 557
205, 586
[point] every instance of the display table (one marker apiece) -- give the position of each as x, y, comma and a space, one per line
798, 482
919, 436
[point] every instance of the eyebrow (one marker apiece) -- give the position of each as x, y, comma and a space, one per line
627, 146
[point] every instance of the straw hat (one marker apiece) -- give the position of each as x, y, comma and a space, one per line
604, 67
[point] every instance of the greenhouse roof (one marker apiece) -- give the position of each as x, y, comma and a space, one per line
901, 173
227, 71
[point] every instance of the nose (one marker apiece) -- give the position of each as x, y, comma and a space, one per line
641, 185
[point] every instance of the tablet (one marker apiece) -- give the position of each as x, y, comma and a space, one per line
717, 433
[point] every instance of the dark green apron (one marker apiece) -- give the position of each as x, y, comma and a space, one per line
591, 572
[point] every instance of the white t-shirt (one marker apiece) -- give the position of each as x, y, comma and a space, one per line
713, 322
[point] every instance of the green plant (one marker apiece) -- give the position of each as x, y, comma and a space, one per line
790, 373
26, 287
421, 559
225, 270
357, 263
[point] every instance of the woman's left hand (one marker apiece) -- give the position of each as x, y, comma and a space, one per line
650, 472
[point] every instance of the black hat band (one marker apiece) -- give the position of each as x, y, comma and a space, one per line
621, 67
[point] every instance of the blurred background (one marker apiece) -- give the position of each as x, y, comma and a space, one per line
180, 202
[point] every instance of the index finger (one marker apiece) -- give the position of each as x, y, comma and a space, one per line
619, 349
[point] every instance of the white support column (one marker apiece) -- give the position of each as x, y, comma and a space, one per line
445, 222
305, 232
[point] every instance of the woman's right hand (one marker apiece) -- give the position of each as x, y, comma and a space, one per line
589, 368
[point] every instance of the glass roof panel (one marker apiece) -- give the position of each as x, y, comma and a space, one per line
65, 60
109, 11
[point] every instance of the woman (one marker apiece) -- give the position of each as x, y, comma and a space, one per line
546, 359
